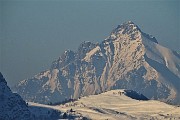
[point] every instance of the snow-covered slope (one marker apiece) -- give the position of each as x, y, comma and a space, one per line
127, 59
116, 105
12, 106
51, 112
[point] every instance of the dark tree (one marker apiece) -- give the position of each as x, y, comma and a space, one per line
64, 115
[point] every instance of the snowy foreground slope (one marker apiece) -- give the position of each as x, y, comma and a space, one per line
12, 106
114, 105
127, 59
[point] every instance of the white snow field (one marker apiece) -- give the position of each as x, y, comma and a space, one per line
115, 105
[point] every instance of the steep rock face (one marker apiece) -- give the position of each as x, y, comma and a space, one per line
128, 59
12, 106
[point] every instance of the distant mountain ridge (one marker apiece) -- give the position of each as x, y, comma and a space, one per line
127, 59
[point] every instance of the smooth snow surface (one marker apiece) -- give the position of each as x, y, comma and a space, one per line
112, 105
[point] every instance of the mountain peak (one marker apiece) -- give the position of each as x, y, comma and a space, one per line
127, 59
126, 29
129, 23
130, 29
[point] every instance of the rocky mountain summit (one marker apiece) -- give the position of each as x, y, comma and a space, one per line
127, 59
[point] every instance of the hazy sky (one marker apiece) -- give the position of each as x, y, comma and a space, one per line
36, 32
